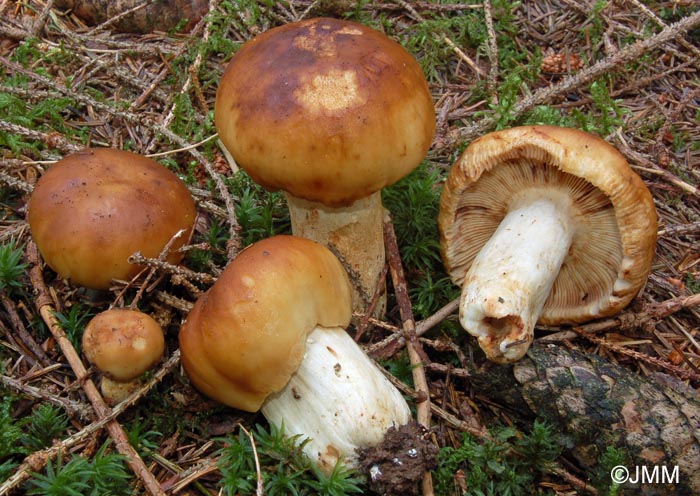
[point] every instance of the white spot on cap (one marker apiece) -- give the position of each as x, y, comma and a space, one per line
138, 344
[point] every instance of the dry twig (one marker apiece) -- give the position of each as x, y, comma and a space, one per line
416, 354
389, 346
444, 38
570, 83
73, 408
38, 459
44, 305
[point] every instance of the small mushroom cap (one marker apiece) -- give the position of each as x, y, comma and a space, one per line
123, 343
616, 227
327, 110
93, 209
246, 335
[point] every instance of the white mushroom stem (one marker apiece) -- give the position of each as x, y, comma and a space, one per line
354, 233
338, 398
511, 277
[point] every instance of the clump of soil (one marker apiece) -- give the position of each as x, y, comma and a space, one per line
398, 463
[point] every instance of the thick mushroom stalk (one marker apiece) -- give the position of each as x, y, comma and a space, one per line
354, 234
511, 277
338, 399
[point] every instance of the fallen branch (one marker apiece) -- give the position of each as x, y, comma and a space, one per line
172, 269
416, 354
34, 352
45, 307
389, 345
642, 357
630, 320
570, 84
594, 404
444, 38
73, 408
38, 459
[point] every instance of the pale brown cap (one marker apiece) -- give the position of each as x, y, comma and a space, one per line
327, 110
93, 209
615, 236
123, 343
246, 335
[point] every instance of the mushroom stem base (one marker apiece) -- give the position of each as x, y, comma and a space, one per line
114, 392
338, 398
354, 234
511, 277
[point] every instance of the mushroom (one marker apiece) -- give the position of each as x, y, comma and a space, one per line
93, 209
123, 344
543, 224
270, 335
330, 112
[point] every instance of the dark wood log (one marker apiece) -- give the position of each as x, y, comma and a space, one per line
594, 404
156, 15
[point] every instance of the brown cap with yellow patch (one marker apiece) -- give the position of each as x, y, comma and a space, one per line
327, 110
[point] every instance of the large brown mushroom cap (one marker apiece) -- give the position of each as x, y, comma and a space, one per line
123, 343
327, 110
246, 335
92, 210
615, 233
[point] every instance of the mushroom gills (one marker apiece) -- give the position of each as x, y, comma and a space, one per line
338, 398
511, 277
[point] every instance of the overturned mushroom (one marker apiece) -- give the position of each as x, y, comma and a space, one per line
270, 334
122, 344
138, 16
541, 223
93, 209
330, 112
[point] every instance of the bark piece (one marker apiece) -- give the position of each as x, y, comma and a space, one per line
159, 15
595, 404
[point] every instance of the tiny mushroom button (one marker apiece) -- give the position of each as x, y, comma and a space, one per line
123, 344
331, 112
543, 224
93, 209
270, 335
